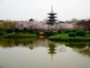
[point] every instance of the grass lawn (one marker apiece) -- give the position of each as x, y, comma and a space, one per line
65, 37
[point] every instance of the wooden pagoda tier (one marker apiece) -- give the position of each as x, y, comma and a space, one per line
52, 18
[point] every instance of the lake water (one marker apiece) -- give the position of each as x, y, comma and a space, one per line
24, 53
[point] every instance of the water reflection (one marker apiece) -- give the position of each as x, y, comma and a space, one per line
39, 53
80, 47
9, 42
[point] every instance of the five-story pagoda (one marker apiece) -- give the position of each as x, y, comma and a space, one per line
51, 17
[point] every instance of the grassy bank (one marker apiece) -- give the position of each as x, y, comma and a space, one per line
66, 37
18, 35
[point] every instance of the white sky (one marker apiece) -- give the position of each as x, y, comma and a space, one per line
38, 9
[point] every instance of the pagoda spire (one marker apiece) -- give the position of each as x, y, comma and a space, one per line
52, 8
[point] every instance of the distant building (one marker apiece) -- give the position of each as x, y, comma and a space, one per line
62, 22
52, 18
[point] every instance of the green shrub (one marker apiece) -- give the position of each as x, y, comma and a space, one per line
50, 33
9, 35
9, 31
89, 32
19, 35
80, 33
74, 30
16, 30
67, 31
72, 34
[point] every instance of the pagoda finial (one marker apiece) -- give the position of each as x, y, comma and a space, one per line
52, 8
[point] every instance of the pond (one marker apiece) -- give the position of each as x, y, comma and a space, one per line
43, 53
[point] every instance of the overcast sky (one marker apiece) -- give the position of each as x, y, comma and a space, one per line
38, 9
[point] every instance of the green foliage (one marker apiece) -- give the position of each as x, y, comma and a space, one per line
9, 35
59, 36
69, 30
72, 34
88, 32
80, 33
66, 37
16, 30
49, 33
19, 35
25, 30
9, 31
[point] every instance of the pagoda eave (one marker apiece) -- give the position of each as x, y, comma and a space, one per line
52, 17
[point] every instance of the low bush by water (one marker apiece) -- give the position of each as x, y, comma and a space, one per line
79, 35
18, 35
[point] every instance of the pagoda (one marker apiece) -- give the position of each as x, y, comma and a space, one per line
51, 19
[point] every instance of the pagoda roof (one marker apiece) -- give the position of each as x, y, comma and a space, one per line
52, 20
52, 17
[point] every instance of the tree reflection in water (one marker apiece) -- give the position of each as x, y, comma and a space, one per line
11, 42
80, 47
